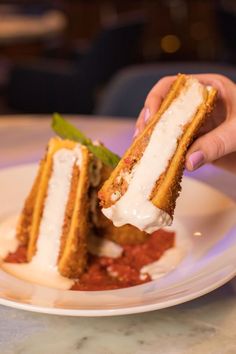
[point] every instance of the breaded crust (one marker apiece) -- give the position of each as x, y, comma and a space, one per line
73, 252
25, 219
167, 187
124, 235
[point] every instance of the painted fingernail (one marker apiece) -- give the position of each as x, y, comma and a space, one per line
146, 114
196, 159
136, 132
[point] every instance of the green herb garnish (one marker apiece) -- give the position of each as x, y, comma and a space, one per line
67, 131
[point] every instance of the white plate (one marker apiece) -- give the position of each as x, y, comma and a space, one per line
210, 262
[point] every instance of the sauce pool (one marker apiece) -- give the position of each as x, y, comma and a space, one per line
106, 273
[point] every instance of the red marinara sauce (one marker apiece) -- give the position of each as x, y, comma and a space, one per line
17, 257
105, 273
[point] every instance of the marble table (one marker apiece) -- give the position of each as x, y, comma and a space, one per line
205, 325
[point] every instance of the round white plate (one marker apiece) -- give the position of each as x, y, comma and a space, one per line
204, 215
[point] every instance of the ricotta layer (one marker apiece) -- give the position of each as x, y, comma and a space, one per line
50, 231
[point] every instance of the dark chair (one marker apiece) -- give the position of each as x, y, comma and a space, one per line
125, 94
226, 19
48, 85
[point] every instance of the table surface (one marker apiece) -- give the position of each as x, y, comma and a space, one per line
205, 325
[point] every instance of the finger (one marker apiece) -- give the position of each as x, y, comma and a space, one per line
227, 162
157, 94
160, 90
139, 124
153, 102
217, 81
215, 118
212, 146
142, 121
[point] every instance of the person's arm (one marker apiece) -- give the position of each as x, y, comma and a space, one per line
217, 140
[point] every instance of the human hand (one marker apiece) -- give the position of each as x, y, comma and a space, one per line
216, 141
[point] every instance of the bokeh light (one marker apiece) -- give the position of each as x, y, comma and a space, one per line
170, 43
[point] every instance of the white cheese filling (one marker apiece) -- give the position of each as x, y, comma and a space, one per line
134, 207
50, 231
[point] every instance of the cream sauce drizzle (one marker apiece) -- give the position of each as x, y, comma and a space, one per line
172, 257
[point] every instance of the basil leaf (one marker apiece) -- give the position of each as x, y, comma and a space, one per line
67, 131
105, 155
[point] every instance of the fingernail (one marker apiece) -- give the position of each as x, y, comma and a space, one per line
146, 114
196, 159
136, 132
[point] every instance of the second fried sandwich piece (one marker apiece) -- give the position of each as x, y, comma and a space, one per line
54, 221
143, 188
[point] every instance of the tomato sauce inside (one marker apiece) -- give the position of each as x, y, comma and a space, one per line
105, 273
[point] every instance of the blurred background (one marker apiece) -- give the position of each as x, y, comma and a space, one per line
102, 57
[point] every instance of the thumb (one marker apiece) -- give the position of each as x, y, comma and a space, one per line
212, 146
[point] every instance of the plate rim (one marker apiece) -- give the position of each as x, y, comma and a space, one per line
120, 311
124, 310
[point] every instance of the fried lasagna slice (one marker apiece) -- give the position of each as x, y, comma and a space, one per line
143, 188
54, 224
